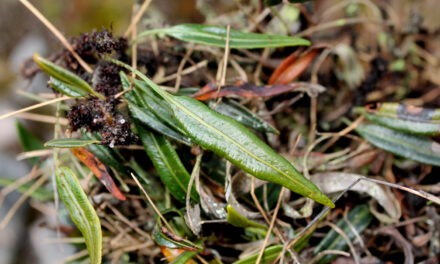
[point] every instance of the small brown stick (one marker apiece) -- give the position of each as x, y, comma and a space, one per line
57, 34
33, 107
180, 69
347, 240
272, 223
224, 68
153, 205
23, 180
126, 221
195, 173
188, 70
342, 133
137, 17
34, 153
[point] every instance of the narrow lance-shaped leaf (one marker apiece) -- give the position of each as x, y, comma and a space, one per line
70, 143
236, 219
28, 141
406, 118
217, 36
359, 217
99, 170
167, 163
230, 139
243, 115
64, 75
67, 89
81, 211
417, 148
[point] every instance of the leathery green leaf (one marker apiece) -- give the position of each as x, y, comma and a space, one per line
236, 219
217, 35
81, 211
405, 118
184, 257
70, 142
269, 255
243, 115
28, 141
230, 139
359, 217
414, 147
167, 163
64, 75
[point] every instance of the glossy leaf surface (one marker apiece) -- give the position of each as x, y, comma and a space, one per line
167, 163
66, 89
406, 118
359, 217
64, 75
417, 148
230, 139
99, 170
81, 211
217, 35
70, 143
243, 115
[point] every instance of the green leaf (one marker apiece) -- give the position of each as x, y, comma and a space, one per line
167, 163
145, 117
64, 75
236, 219
269, 255
359, 217
184, 257
70, 143
217, 35
163, 237
396, 116
81, 211
157, 105
417, 148
230, 139
67, 89
243, 115
28, 141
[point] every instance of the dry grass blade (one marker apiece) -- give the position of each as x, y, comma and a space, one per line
33, 107
57, 34
272, 223
137, 17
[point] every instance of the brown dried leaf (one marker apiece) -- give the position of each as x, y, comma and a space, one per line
99, 169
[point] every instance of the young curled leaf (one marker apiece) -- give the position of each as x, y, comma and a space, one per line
241, 89
70, 143
417, 148
217, 35
405, 118
230, 139
81, 211
64, 75
99, 170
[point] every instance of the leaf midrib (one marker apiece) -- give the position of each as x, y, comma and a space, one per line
235, 143
79, 209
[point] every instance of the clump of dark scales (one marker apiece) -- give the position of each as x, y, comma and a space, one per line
96, 114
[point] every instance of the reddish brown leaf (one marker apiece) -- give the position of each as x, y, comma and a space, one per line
242, 89
292, 67
99, 169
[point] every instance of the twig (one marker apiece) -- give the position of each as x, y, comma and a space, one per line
57, 34
33, 107
22, 180
153, 205
137, 17
43, 118
272, 223
180, 69
194, 174
224, 68
347, 240
329, 252
33, 154
184, 72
